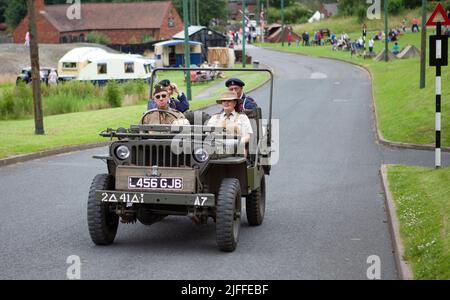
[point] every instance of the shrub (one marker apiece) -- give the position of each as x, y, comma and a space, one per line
113, 94
98, 38
395, 7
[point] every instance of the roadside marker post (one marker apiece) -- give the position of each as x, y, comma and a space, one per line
438, 59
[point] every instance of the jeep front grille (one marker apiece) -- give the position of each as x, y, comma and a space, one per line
161, 156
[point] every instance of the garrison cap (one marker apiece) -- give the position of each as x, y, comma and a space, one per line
234, 81
159, 89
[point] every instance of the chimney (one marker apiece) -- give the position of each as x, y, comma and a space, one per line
39, 6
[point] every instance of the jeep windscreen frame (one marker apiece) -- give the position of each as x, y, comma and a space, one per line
184, 70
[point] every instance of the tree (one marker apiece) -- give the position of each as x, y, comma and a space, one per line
3, 5
209, 10
15, 11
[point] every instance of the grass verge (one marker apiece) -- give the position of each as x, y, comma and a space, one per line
423, 209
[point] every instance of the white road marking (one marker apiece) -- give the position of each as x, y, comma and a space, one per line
340, 100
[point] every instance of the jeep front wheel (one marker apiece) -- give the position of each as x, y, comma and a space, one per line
228, 214
102, 222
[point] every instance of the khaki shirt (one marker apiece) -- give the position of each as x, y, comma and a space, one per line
235, 123
161, 118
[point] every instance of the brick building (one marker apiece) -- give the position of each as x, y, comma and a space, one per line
121, 22
235, 9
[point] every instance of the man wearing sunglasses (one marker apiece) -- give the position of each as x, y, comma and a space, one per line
181, 103
163, 114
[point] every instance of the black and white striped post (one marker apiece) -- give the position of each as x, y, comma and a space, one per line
438, 95
438, 59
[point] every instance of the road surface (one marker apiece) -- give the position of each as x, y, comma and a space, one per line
325, 209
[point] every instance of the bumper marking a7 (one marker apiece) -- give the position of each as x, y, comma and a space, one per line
194, 200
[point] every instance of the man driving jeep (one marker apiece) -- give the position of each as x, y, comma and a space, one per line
163, 114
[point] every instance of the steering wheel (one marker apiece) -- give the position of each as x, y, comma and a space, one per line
157, 110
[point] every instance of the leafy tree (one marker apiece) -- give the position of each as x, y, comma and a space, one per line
14, 13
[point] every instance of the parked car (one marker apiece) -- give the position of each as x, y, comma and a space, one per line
25, 75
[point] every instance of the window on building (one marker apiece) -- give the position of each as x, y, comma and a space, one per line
69, 65
129, 67
102, 68
171, 22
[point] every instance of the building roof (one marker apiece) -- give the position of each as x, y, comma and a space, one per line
191, 30
175, 42
104, 16
93, 54
331, 8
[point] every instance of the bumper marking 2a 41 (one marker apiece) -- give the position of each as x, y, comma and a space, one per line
194, 200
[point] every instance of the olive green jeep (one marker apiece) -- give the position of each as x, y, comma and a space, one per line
155, 171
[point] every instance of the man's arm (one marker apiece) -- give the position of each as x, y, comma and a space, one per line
182, 104
250, 103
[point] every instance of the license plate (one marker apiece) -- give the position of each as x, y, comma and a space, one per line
155, 183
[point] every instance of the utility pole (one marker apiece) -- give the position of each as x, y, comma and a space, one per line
282, 23
187, 49
192, 11
258, 13
243, 34
198, 12
423, 50
35, 70
386, 47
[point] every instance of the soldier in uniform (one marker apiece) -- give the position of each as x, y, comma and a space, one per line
245, 102
163, 113
234, 122
181, 103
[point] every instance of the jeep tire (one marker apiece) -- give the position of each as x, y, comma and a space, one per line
255, 205
228, 214
102, 222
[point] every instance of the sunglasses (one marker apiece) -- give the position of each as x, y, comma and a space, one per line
163, 96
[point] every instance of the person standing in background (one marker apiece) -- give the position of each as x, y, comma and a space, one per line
27, 39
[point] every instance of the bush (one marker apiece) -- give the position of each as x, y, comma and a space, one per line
395, 7
113, 94
16, 103
98, 38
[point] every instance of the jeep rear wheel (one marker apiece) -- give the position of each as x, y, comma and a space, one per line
228, 214
256, 205
102, 222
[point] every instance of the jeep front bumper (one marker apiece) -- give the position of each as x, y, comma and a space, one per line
190, 200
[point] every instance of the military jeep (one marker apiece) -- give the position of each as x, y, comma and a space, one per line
155, 171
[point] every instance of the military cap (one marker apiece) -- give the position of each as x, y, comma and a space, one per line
165, 82
234, 81
159, 89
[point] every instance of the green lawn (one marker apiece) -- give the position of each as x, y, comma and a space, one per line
405, 112
17, 137
422, 197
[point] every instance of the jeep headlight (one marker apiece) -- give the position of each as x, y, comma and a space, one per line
201, 155
123, 152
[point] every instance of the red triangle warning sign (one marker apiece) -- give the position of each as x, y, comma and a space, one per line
439, 9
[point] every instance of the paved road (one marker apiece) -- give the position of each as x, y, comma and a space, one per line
325, 212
